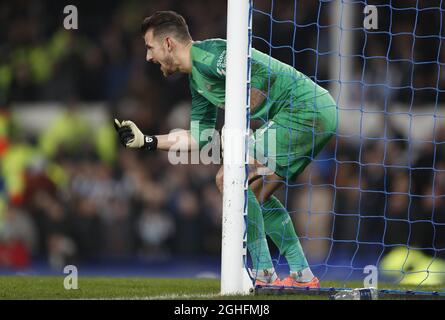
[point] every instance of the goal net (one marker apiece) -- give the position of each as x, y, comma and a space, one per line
371, 205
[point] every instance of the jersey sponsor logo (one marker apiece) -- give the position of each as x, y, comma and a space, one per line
221, 64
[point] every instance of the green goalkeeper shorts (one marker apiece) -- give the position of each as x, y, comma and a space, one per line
294, 136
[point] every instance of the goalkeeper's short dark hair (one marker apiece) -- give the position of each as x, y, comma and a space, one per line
166, 22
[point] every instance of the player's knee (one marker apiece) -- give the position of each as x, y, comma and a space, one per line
256, 189
219, 180
260, 195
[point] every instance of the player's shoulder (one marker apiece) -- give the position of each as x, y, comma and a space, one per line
210, 45
208, 54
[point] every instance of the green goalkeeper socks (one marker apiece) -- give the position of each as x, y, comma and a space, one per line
280, 229
274, 220
256, 236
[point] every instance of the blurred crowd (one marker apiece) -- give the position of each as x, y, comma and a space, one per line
71, 193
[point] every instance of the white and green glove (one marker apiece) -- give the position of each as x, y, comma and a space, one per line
131, 137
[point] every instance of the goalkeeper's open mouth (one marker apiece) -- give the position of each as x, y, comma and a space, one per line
161, 66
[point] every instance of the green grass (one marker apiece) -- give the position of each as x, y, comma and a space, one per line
31, 287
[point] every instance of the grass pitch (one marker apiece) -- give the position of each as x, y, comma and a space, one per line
42, 288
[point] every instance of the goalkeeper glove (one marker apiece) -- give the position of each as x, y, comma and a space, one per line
131, 137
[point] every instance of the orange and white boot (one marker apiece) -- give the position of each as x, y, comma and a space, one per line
276, 283
291, 282
264, 278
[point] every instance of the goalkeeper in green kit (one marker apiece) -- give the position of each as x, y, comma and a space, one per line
301, 114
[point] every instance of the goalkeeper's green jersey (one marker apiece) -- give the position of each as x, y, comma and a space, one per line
281, 84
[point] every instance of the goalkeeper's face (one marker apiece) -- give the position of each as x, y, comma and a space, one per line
160, 51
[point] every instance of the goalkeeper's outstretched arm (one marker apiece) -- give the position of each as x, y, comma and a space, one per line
182, 140
131, 137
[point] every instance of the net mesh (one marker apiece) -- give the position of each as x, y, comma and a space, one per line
375, 195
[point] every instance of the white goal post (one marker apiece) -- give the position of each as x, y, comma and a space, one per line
234, 277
